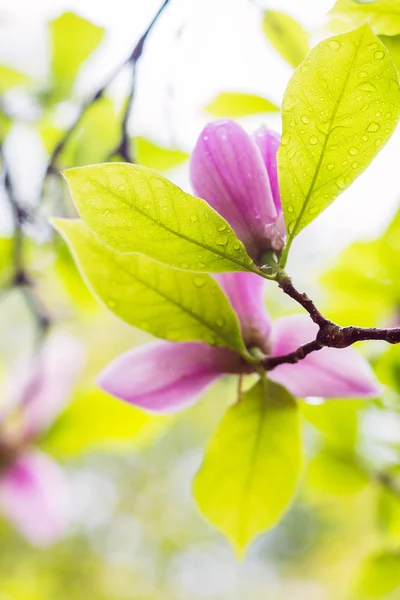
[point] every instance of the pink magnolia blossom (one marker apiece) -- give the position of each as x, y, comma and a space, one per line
168, 376
237, 175
33, 489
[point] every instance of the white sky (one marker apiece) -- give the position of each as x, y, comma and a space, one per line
221, 48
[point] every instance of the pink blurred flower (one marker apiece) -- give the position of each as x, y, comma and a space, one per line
237, 175
167, 376
33, 489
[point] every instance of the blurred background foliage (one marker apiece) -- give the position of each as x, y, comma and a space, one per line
135, 532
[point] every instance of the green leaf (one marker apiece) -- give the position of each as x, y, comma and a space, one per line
382, 15
287, 36
336, 420
360, 273
234, 104
10, 78
6, 256
95, 420
96, 137
168, 303
134, 209
336, 472
340, 108
379, 575
392, 43
156, 157
73, 39
252, 466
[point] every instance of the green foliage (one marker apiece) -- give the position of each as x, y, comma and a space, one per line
156, 157
235, 104
134, 209
67, 57
252, 465
392, 43
379, 575
371, 270
96, 421
337, 472
336, 420
340, 108
96, 137
382, 15
6, 250
171, 304
10, 78
287, 36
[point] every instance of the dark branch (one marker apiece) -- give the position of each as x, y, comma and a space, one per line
292, 358
132, 60
330, 335
20, 278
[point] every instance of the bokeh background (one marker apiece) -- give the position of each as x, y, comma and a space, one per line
134, 532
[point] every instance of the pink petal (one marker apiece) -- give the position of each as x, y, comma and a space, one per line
227, 170
268, 142
33, 495
246, 294
167, 376
49, 385
329, 373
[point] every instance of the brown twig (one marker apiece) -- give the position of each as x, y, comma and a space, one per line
330, 335
132, 60
20, 278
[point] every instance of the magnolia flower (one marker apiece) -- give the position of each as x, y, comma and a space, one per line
33, 489
237, 175
168, 376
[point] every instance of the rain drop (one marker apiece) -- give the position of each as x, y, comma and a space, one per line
313, 140
222, 227
221, 239
330, 166
373, 126
341, 184
334, 45
379, 54
353, 151
220, 322
366, 86
290, 209
285, 139
305, 119
193, 218
199, 281
314, 210
236, 246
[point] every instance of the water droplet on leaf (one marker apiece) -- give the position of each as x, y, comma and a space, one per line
373, 126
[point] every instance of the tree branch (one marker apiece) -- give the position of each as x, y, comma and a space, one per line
132, 60
20, 278
330, 335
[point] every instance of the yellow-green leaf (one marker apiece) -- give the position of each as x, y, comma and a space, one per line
287, 36
235, 104
156, 157
382, 15
73, 39
379, 575
95, 420
251, 468
168, 303
10, 78
392, 43
134, 209
340, 108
